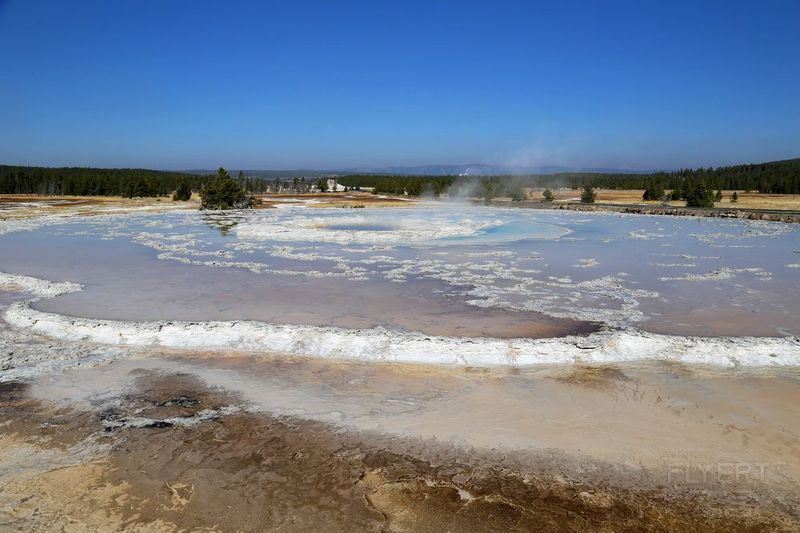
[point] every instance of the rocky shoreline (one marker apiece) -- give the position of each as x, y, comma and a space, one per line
791, 217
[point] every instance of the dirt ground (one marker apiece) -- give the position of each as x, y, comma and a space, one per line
354, 199
137, 467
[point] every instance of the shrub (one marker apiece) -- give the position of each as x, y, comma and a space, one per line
548, 195
588, 195
734, 197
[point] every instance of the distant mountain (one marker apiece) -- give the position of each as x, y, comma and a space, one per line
480, 169
477, 169
293, 173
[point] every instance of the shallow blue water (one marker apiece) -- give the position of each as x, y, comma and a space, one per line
667, 274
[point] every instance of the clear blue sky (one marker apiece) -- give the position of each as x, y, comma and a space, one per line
194, 84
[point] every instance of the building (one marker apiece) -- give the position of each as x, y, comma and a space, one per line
335, 187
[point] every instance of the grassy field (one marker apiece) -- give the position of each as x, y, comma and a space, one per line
24, 206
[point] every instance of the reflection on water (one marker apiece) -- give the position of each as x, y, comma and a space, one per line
441, 270
223, 223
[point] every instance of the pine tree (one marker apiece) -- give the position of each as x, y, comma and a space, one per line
699, 196
489, 189
654, 191
548, 195
588, 195
223, 192
734, 197
183, 193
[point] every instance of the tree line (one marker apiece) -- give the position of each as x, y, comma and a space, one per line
129, 182
778, 177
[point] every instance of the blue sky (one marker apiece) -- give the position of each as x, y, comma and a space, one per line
193, 84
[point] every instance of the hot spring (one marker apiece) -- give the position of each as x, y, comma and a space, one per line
483, 285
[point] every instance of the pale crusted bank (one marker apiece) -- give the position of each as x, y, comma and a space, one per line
398, 346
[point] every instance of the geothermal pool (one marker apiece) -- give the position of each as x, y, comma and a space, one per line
433, 282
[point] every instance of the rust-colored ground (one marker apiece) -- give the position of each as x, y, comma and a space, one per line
65, 469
